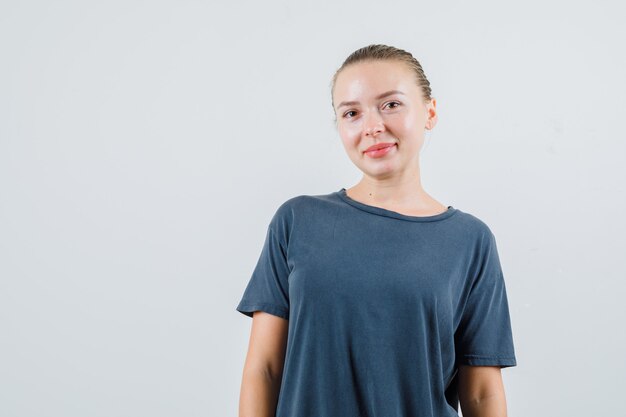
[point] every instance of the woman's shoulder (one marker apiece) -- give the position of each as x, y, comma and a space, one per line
471, 227
472, 220
301, 205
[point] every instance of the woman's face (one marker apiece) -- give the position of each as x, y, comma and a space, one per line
379, 102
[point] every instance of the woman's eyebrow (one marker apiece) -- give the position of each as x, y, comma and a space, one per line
383, 95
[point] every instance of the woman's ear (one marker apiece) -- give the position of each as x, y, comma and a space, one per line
432, 114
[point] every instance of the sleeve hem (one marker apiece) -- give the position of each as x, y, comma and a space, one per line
248, 309
484, 360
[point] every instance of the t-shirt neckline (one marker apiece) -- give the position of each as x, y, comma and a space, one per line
394, 214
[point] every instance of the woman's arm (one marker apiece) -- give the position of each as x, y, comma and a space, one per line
481, 391
262, 372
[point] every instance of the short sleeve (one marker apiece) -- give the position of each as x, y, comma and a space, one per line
268, 288
484, 336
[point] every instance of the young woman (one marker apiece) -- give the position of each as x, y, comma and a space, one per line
377, 300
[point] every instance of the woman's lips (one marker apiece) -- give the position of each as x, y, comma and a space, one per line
377, 153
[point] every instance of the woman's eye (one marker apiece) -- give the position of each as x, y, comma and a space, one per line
393, 102
347, 113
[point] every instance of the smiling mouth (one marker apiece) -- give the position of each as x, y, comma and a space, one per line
379, 152
379, 147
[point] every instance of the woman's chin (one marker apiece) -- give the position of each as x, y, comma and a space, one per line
380, 172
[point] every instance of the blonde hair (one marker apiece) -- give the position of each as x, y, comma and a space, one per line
377, 52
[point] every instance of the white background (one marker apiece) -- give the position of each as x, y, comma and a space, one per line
145, 145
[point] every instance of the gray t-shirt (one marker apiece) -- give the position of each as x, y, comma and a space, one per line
382, 306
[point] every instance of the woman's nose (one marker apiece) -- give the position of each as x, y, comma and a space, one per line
373, 124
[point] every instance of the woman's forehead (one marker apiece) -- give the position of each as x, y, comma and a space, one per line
368, 80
